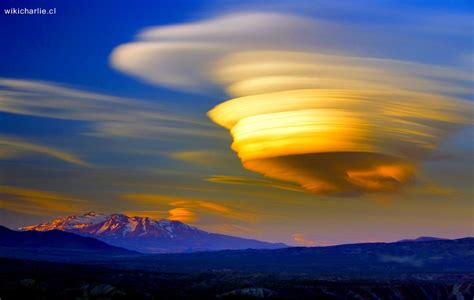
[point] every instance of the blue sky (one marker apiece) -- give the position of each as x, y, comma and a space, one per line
97, 155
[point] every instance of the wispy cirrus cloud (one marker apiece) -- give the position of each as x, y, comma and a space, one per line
240, 180
13, 147
110, 116
38, 202
200, 157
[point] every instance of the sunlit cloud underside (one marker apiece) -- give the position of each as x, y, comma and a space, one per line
339, 141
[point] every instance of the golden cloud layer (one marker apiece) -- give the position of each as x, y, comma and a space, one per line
339, 141
176, 214
37, 202
255, 182
207, 214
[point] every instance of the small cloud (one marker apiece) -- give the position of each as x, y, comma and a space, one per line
227, 179
182, 214
199, 157
300, 239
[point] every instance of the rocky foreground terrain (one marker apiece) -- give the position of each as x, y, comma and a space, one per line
21, 279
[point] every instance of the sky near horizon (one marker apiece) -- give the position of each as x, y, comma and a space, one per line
304, 122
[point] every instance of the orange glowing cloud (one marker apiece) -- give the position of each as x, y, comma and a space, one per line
300, 239
209, 215
251, 181
176, 214
339, 141
187, 209
153, 214
182, 214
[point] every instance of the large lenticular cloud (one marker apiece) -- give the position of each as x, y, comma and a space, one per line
341, 141
338, 124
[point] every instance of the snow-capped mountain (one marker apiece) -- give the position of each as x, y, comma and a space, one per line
116, 225
147, 235
69, 223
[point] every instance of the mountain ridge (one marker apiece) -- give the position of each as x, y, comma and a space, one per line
112, 225
362, 260
422, 239
373, 259
146, 235
56, 239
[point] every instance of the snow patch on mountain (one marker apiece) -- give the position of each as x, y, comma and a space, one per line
115, 225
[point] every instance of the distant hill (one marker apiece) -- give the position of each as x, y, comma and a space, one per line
147, 235
376, 260
368, 259
55, 240
423, 239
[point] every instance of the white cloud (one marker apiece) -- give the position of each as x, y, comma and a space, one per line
14, 147
110, 115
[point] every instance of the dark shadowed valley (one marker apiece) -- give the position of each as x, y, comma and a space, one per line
37, 266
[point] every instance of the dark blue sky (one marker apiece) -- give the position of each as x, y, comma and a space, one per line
54, 47
73, 48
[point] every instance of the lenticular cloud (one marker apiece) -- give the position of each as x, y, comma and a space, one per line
338, 124
337, 140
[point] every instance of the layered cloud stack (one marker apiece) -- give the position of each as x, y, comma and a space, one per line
341, 124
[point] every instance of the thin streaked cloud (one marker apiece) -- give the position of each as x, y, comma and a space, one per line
38, 202
15, 148
110, 116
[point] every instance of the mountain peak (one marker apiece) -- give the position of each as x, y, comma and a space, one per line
147, 235
115, 225
93, 214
